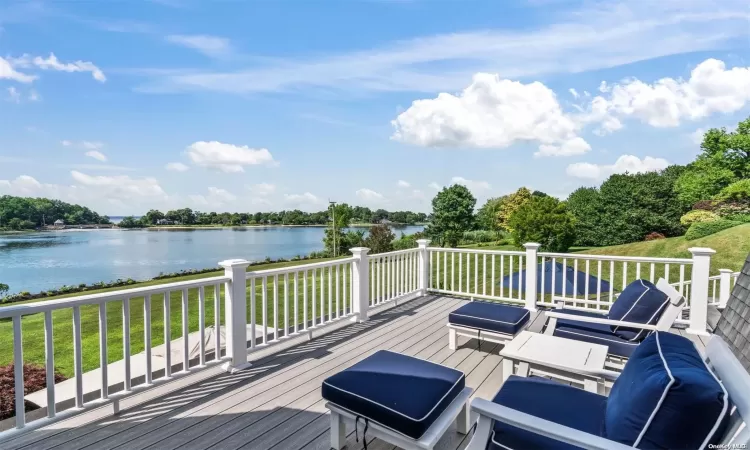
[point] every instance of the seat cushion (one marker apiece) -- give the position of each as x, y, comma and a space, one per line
640, 302
666, 398
594, 333
402, 393
548, 400
491, 317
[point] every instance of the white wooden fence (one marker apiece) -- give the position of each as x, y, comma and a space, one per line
262, 308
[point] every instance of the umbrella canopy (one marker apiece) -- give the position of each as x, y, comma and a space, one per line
573, 279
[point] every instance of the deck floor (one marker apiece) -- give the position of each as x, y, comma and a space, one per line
276, 404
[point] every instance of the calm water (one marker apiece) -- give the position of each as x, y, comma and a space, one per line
39, 261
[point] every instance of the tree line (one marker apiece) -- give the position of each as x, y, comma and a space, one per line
354, 214
710, 194
23, 213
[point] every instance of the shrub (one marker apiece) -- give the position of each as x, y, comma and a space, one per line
380, 239
34, 379
545, 220
478, 236
706, 205
698, 215
737, 191
703, 229
727, 209
654, 236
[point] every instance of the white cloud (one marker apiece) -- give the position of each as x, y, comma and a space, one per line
306, 200
490, 113
575, 146
208, 45
473, 185
99, 167
696, 137
92, 145
52, 63
594, 36
574, 93
96, 155
120, 186
368, 195
711, 88
66, 143
403, 184
227, 157
34, 96
625, 163
435, 186
13, 95
222, 195
262, 189
176, 167
7, 72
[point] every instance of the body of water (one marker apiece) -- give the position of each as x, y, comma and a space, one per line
36, 262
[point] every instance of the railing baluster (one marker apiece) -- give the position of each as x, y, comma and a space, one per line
147, 337
492, 285
638, 270
168, 334
553, 272
322, 295
666, 272
502, 275
103, 359
314, 295
202, 325
543, 291
682, 280
77, 356
49, 353
520, 270
345, 270
565, 277
586, 287
217, 320
264, 305
436, 267
253, 319
484, 274
185, 333
476, 273
460, 271
575, 281
453, 272
373, 299
599, 283
653, 269
445, 270
126, 339
379, 278
611, 282
304, 300
296, 303
338, 287
330, 294
18, 370
276, 307
286, 304
624, 274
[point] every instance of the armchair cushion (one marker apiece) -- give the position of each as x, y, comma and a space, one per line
640, 302
400, 392
666, 398
594, 333
548, 400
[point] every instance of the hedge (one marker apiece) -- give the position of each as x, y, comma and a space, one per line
703, 229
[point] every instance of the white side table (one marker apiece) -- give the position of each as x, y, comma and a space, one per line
556, 357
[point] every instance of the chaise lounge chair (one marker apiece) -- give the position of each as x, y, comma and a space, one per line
667, 397
639, 310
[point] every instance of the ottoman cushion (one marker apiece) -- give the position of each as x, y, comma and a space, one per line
399, 392
491, 317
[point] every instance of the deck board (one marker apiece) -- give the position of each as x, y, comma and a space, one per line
277, 403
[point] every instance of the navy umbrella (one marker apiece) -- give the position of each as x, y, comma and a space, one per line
572, 278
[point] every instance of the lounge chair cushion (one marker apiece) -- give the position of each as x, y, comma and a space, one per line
666, 397
400, 392
594, 333
640, 302
549, 400
490, 316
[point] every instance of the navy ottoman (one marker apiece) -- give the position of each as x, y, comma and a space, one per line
490, 321
403, 400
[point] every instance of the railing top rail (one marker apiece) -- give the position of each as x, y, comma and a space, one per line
640, 259
395, 252
474, 250
299, 268
103, 297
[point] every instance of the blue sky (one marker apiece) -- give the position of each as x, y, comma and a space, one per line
251, 106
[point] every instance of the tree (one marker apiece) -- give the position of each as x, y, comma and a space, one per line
380, 239
702, 180
545, 220
510, 205
487, 214
728, 150
452, 214
585, 205
152, 217
130, 222
3, 289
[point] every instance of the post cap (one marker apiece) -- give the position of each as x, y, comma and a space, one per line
701, 251
356, 251
532, 245
423, 242
231, 263
726, 271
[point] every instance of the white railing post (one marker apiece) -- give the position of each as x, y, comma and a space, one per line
424, 266
531, 252
725, 287
699, 290
235, 308
360, 283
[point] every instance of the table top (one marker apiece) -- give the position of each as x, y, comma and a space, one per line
561, 352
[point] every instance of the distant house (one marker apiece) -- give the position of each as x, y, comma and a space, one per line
164, 222
385, 222
59, 223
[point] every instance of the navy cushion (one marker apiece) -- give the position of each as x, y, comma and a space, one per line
397, 391
549, 400
490, 316
666, 398
594, 333
640, 302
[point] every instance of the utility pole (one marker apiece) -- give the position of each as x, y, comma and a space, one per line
333, 223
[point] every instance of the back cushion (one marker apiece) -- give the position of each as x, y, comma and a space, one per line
666, 398
640, 302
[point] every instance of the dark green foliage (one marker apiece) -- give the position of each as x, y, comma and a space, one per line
585, 205
487, 214
728, 150
738, 191
452, 214
479, 236
3, 289
380, 239
407, 241
703, 229
544, 220
701, 180
130, 222
20, 213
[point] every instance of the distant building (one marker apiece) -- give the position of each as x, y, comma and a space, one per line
59, 223
164, 222
385, 222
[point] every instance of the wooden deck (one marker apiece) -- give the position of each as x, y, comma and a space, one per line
277, 404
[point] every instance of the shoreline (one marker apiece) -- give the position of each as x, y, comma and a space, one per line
198, 227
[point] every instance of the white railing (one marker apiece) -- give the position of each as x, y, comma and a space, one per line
393, 276
720, 287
